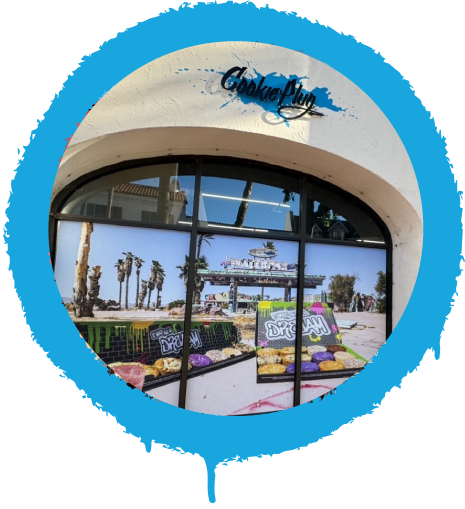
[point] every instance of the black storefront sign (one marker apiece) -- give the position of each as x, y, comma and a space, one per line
292, 101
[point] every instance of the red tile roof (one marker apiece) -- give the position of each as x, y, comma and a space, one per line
149, 191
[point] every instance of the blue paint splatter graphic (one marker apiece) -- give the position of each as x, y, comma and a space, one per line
324, 101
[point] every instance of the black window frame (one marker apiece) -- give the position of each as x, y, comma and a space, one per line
306, 181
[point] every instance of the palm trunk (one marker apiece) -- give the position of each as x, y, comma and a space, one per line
158, 298
80, 278
148, 302
241, 213
127, 291
94, 289
120, 293
137, 292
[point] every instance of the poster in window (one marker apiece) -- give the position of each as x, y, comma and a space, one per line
353, 291
123, 290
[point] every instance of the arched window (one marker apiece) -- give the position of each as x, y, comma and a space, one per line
259, 266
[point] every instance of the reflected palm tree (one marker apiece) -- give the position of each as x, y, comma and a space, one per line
244, 205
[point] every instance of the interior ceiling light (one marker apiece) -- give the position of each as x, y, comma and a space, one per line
228, 227
246, 199
237, 228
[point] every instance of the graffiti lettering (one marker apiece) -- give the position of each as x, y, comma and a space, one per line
171, 343
284, 327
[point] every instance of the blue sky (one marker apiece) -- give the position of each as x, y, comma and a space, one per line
259, 215
331, 260
107, 245
168, 247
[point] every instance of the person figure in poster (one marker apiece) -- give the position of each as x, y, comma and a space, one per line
353, 304
359, 302
369, 305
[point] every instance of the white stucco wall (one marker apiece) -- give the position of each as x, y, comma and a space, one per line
175, 105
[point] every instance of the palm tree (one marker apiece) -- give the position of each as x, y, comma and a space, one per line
200, 264
159, 283
154, 271
242, 211
138, 263
128, 270
269, 244
121, 274
203, 237
184, 270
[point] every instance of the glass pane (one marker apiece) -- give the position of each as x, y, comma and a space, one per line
122, 290
159, 194
243, 198
237, 369
334, 217
344, 315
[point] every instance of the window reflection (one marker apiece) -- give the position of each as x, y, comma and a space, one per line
238, 198
334, 216
165, 197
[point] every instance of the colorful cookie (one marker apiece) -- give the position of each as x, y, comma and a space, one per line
330, 366
272, 369
322, 356
244, 348
289, 359
305, 367
289, 350
343, 356
232, 352
335, 348
151, 370
267, 351
269, 359
314, 349
354, 363
216, 356
168, 365
199, 361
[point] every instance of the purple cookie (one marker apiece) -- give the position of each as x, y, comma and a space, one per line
306, 367
322, 356
199, 361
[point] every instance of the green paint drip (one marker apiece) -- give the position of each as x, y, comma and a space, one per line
107, 336
99, 338
90, 331
141, 332
226, 330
